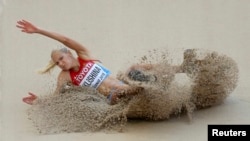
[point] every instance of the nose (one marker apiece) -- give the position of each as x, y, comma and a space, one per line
60, 64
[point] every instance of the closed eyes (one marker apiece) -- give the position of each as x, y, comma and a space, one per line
60, 59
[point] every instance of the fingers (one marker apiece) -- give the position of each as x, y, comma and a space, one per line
19, 26
33, 95
22, 24
26, 26
30, 93
28, 101
24, 21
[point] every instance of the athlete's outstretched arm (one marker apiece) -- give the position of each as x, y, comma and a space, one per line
28, 27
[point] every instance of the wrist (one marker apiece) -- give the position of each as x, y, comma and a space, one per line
38, 30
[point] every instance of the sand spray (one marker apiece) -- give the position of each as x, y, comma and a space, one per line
206, 79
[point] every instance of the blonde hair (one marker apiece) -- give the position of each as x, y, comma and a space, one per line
48, 68
51, 65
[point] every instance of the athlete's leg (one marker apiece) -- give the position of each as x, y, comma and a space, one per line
122, 90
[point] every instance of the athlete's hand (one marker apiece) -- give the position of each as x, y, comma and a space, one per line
30, 99
26, 26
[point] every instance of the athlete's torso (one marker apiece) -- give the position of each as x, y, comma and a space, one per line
90, 74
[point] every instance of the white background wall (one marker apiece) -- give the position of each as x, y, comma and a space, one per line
116, 31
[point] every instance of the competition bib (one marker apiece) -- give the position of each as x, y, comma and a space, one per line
91, 75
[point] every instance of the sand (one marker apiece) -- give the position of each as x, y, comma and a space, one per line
211, 77
120, 33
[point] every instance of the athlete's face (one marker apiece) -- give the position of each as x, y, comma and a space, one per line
62, 59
